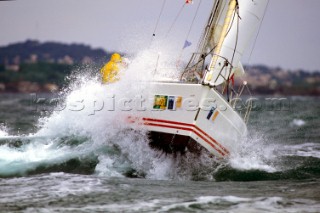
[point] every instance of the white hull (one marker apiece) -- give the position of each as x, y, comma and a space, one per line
192, 110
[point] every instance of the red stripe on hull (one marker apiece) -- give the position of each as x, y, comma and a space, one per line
192, 129
191, 125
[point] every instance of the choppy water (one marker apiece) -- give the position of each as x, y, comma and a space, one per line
69, 160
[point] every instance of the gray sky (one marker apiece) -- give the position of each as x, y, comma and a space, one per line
289, 36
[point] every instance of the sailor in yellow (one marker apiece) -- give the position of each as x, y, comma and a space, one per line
110, 70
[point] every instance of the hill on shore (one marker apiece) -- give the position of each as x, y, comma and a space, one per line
275, 80
54, 52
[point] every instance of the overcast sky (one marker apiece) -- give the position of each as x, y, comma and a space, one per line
289, 36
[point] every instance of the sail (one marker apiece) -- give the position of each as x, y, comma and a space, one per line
214, 26
231, 26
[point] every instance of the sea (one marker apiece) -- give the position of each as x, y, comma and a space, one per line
63, 152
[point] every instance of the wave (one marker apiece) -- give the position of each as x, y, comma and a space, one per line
208, 203
128, 155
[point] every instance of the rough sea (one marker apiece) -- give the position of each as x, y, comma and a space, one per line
58, 154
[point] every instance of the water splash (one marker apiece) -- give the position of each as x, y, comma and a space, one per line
84, 133
85, 125
254, 153
3, 131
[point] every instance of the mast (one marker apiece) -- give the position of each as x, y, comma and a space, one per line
230, 27
208, 39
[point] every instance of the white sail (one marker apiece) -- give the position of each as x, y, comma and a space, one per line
236, 22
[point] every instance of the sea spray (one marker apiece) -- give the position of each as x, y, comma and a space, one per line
254, 153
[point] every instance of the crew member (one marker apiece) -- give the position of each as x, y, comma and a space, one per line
110, 71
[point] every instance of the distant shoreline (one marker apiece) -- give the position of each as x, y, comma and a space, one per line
32, 66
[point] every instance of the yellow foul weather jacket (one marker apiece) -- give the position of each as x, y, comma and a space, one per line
110, 72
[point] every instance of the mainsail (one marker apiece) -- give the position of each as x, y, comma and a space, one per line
230, 27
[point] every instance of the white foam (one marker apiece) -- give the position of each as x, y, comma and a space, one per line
13, 161
297, 122
219, 204
246, 205
303, 150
